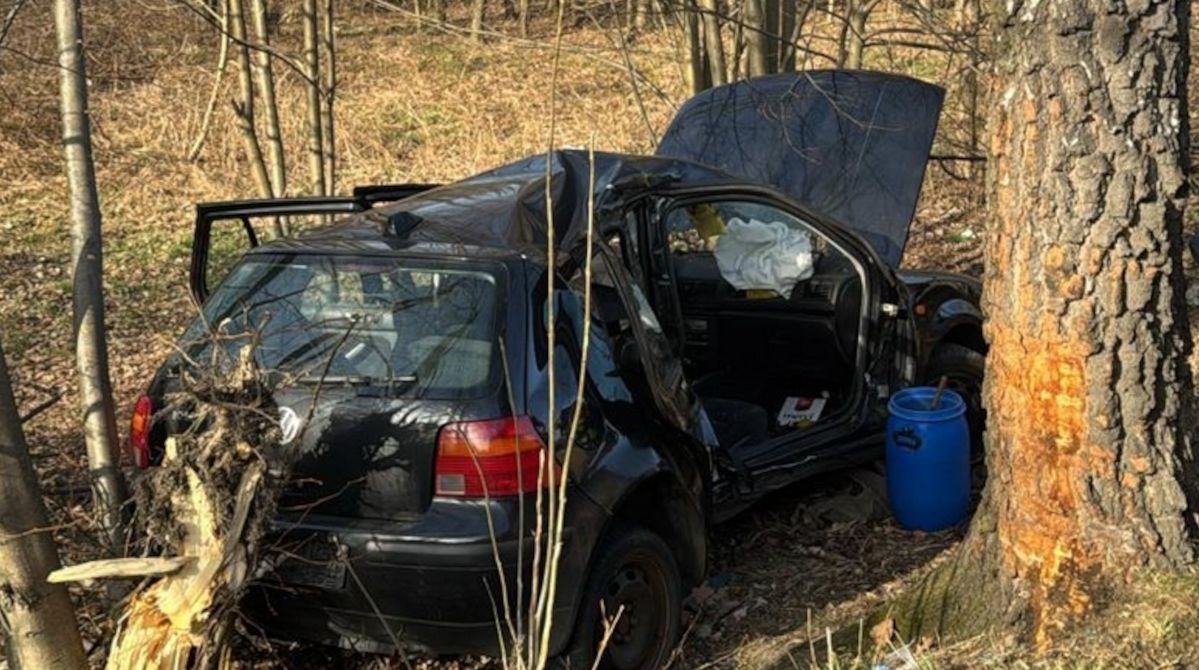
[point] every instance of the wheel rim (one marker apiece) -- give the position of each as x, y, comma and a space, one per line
639, 587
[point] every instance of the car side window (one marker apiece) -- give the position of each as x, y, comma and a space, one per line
753, 249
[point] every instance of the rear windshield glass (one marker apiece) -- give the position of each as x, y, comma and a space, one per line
411, 327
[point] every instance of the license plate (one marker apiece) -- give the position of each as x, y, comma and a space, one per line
314, 564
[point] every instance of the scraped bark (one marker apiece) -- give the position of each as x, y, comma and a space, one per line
87, 270
1087, 389
265, 76
39, 622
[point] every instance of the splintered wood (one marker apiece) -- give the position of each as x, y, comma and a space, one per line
202, 511
168, 623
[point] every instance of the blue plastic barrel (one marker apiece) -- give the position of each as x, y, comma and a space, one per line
928, 459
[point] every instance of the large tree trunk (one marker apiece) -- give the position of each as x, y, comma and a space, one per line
266, 87
91, 347
37, 616
312, 71
1087, 387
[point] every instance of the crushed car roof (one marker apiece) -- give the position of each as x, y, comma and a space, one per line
504, 208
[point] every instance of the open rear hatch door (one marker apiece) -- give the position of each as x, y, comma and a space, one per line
245, 222
852, 145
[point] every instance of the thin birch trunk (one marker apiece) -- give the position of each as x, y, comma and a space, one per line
712, 42
478, 14
222, 64
697, 72
87, 266
266, 87
330, 147
312, 72
244, 108
40, 623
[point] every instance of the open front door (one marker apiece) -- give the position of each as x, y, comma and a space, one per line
226, 230
777, 316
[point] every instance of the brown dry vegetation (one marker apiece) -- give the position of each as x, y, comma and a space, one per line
431, 106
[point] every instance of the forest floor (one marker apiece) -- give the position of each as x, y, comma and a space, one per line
425, 106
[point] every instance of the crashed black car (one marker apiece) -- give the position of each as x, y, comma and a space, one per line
748, 324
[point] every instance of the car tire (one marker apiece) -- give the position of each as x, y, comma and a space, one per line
636, 569
964, 368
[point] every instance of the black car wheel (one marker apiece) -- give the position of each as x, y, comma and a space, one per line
963, 369
634, 570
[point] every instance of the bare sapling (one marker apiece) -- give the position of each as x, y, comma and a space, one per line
87, 272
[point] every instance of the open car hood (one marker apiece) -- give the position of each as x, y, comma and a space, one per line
852, 145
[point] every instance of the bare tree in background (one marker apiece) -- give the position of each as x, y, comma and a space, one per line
91, 347
244, 108
853, 32
713, 42
222, 63
312, 72
265, 76
327, 119
37, 617
478, 15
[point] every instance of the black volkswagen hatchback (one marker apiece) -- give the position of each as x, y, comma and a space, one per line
747, 325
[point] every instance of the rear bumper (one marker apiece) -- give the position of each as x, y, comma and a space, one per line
431, 586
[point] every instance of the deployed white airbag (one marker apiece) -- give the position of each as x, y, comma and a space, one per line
757, 255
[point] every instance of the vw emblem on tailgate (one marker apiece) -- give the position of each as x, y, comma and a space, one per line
290, 423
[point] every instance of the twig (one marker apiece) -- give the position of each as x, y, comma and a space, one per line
222, 63
41, 407
10, 18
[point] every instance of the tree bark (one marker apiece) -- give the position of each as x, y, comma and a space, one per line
87, 266
266, 87
222, 63
697, 74
244, 108
327, 130
312, 72
37, 616
790, 23
713, 44
1087, 389
478, 14
756, 37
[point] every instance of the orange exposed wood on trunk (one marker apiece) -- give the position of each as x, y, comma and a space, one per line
1039, 385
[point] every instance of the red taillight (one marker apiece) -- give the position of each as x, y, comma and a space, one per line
139, 431
493, 458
